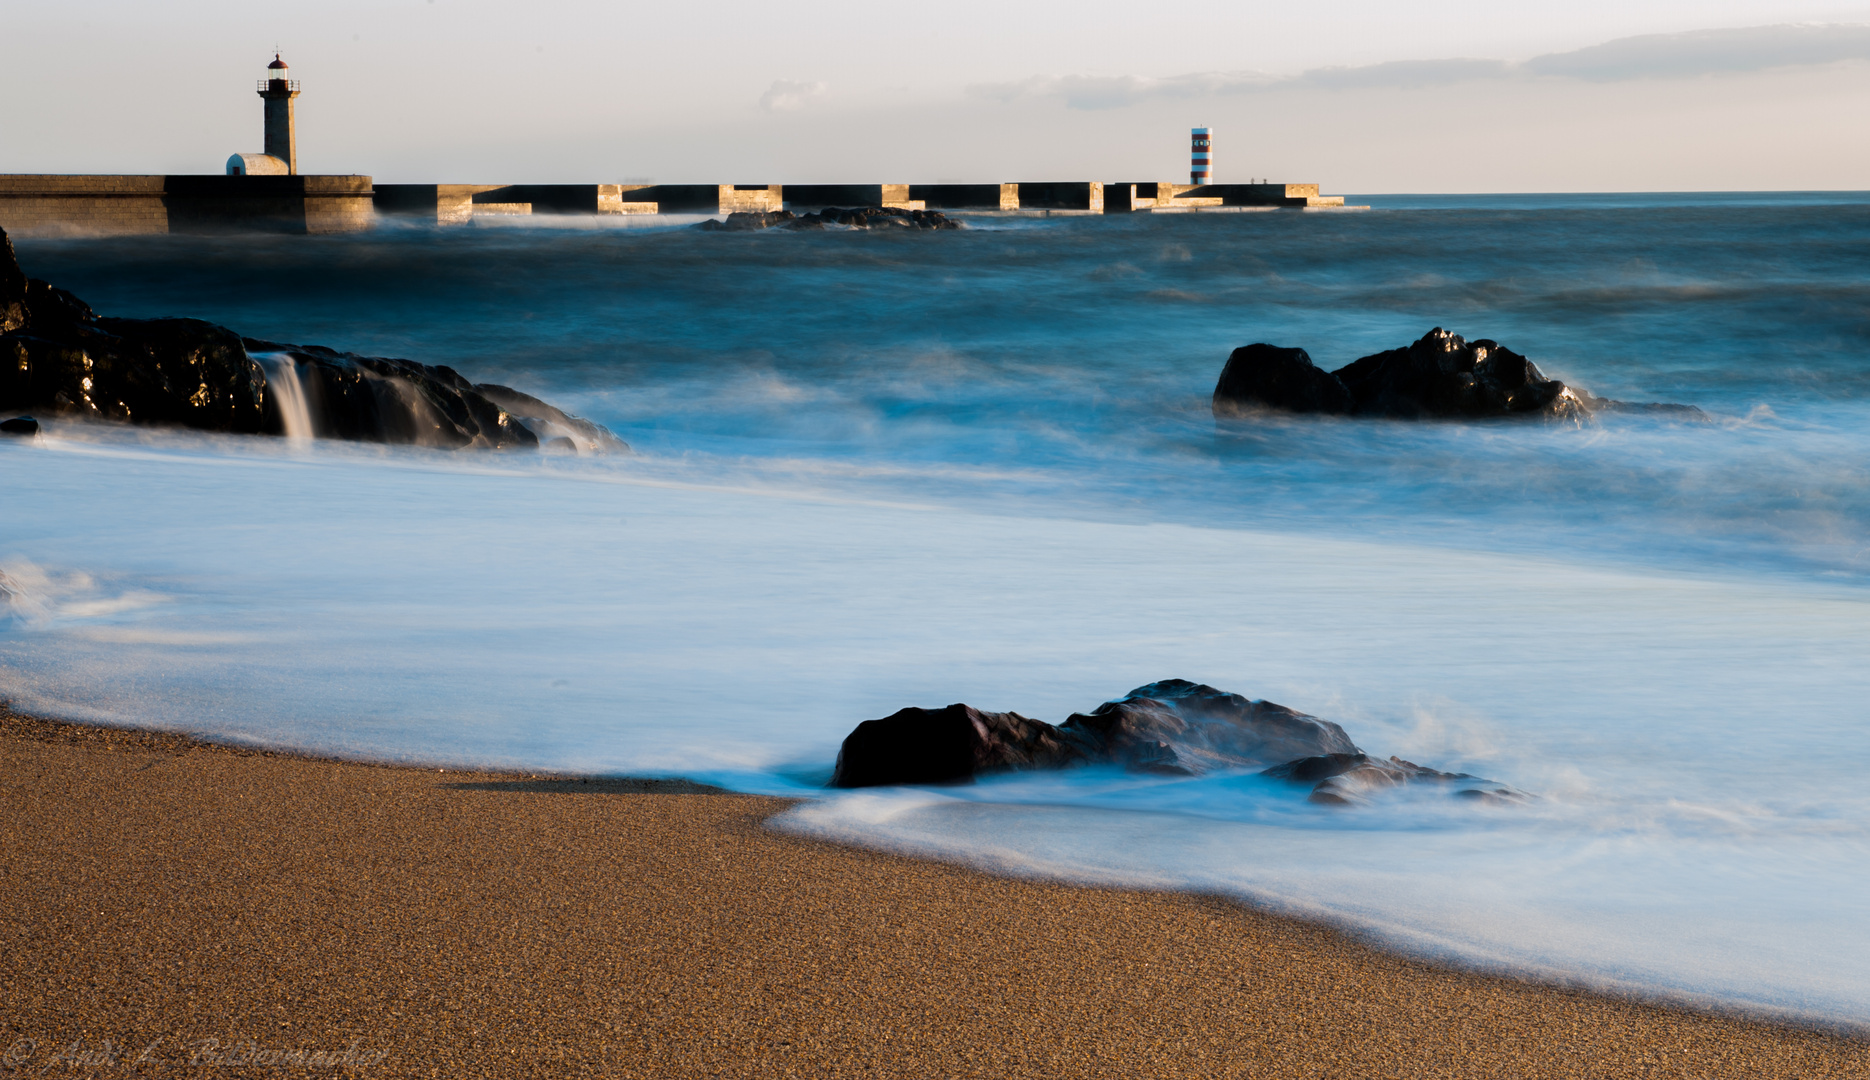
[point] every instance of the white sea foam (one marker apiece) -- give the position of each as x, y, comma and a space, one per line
1696, 742
881, 470
288, 393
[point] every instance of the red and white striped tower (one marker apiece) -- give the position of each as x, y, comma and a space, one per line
1201, 157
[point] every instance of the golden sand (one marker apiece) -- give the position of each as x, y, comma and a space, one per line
164, 902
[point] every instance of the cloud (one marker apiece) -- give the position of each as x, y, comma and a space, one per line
1118, 91
786, 96
1653, 56
1401, 74
1707, 52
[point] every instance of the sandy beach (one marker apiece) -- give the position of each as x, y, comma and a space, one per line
176, 908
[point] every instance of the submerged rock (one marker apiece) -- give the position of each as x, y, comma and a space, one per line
874, 217
862, 217
1174, 726
1349, 779
58, 356
1440, 376
19, 425
746, 221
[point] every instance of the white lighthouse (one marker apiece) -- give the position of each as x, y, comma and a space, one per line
281, 156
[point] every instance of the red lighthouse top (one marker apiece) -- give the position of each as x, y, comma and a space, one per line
278, 80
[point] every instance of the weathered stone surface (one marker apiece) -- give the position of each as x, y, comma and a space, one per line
1270, 377
1440, 376
1444, 375
947, 746
1176, 726
58, 357
146, 371
13, 286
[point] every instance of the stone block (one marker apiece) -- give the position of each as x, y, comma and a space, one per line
966, 196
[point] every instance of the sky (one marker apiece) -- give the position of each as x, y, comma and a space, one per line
1361, 96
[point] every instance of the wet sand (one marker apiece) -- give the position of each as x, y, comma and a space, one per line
164, 902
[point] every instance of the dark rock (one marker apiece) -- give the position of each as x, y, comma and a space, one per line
1441, 376
19, 425
1349, 779
58, 356
146, 371
13, 285
747, 221
947, 746
1270, 377
1310, 770
1176, 726
550, 423
863, 217
380, 399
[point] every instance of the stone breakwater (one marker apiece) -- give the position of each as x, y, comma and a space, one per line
1173, 727
60, 358
1440, 376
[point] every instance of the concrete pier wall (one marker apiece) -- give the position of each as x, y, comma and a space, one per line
966, 196
113, 205
443, 204
675, 198
750, 198
702, 198
1277, 195
300, 204
320, 204
819, 196
1082, 196
1154, 195
208, 203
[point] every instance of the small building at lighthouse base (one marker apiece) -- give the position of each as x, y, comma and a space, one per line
257, 165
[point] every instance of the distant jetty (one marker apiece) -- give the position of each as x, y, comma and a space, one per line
266, 192
36, 204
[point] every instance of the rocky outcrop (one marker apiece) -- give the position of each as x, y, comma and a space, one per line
379, 399
1179, 727
876, 217
951, 745
59, 358
1271, 377
862, 217
746, 221
1174, 727
1441, 376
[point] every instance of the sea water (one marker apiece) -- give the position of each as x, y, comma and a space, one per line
875, 470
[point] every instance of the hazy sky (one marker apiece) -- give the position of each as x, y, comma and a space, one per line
1360, 95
